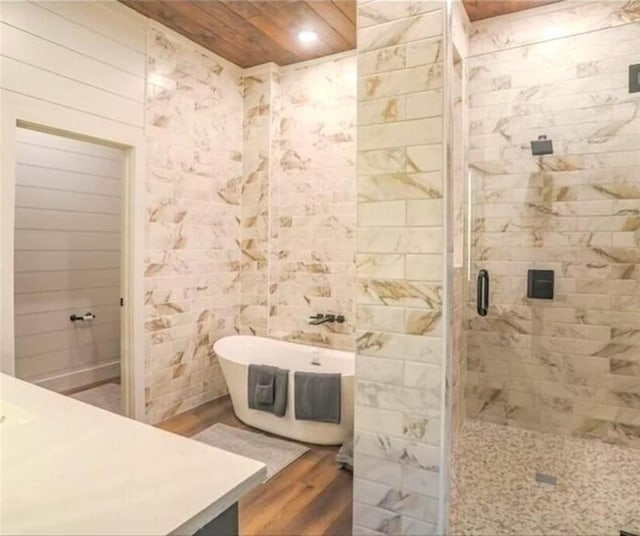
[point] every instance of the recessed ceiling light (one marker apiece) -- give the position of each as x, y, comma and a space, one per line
307, 36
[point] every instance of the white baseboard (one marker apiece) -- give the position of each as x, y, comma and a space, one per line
79, 378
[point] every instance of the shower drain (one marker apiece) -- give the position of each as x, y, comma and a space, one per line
545, 478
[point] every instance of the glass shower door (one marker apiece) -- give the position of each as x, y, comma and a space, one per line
552, 370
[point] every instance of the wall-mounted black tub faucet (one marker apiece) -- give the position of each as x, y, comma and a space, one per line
324, 319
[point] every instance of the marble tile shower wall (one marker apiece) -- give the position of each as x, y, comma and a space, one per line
400, 269
313, 204
194, 133
260, 127
572, 365
299, 201
251, 211
457, 220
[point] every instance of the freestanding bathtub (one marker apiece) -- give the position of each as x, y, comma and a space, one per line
237, 352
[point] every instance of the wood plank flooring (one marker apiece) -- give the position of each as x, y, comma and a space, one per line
310, 497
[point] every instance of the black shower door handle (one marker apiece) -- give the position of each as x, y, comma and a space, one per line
483, 293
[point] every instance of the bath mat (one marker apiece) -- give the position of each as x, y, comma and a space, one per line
106, 396
275, 453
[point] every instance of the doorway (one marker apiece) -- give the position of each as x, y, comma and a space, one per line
68, 260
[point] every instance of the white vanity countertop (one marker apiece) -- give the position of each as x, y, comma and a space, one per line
70, 468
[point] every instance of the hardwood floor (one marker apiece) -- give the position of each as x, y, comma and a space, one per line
310, 497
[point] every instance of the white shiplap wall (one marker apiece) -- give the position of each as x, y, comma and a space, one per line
80, 67
86, 56
67, 259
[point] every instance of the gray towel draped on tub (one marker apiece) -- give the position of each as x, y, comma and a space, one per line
267, 389
318, 397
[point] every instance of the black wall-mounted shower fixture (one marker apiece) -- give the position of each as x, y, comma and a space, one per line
540, 284
541, 146
634, 78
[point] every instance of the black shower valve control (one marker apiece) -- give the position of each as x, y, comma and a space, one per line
541, 146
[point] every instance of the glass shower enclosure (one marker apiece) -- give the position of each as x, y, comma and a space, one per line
546, 409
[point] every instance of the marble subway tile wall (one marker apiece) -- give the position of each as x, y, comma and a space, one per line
194, 133
572, 365
456, 166
260, 155
567, 18
457, 214
458, 239
312, 206
400, 258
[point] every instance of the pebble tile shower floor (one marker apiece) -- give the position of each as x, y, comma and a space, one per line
495, 490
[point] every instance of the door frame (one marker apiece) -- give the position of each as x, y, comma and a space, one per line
26, 112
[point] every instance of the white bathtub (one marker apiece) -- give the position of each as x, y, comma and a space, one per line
237, 352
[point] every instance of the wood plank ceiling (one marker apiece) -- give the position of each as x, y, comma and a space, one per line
483, 9
251, 32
